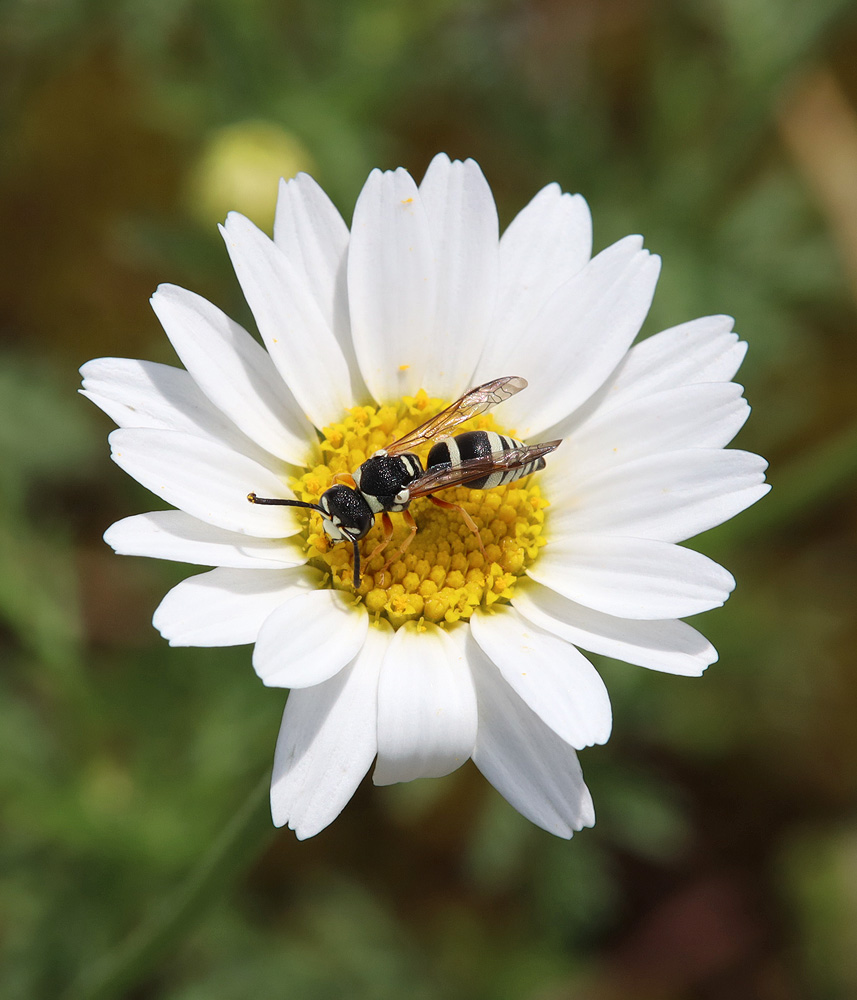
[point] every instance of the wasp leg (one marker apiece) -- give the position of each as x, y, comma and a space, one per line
345, 479
387, 525
400, 551
468, 520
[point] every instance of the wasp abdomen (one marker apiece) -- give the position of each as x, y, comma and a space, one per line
451, 452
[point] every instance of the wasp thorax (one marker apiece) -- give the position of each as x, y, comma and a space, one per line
443, 576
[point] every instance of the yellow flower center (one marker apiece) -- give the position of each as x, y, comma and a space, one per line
442, 576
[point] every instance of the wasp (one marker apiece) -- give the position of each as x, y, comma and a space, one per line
394, 476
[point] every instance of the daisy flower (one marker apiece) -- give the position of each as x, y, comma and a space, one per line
465, 645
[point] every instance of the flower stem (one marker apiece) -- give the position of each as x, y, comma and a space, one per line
238, 845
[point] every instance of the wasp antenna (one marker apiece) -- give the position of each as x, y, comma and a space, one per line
283, 503
356, 565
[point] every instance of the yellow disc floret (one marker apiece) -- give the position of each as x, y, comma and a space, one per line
443, 575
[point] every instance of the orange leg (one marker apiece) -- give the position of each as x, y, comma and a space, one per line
345, 479
387, 525
400, 551
468, 520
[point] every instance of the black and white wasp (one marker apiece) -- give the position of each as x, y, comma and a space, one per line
394, 476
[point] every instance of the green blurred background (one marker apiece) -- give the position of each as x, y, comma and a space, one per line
137, 856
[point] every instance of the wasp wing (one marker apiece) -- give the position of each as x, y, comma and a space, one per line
442, 477
471, 404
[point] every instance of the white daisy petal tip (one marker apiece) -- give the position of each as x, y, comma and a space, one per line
550, 676
524, 758
227, 607
309, 639
669, 646
165, 290
174, 535
443, 159
421, 299
328, 740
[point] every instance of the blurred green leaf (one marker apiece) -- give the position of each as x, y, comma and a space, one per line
44, 438
818, 876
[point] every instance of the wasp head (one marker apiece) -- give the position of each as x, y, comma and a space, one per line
345, 514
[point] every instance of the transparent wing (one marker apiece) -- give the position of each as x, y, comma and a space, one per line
443, 477
471, 404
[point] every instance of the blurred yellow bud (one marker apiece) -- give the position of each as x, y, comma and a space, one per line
239, 168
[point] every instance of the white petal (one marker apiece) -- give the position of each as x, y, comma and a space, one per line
670, 497
706, 415
580, 335
234, 372
547, 243
310, 638
392, 287
426, 706
673, 647
205, 479
172, 534
314, 238
556, 680
702, 350
298, 338
137, 394
327, 741
530, 766
226, 607
632, 577
463, 223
